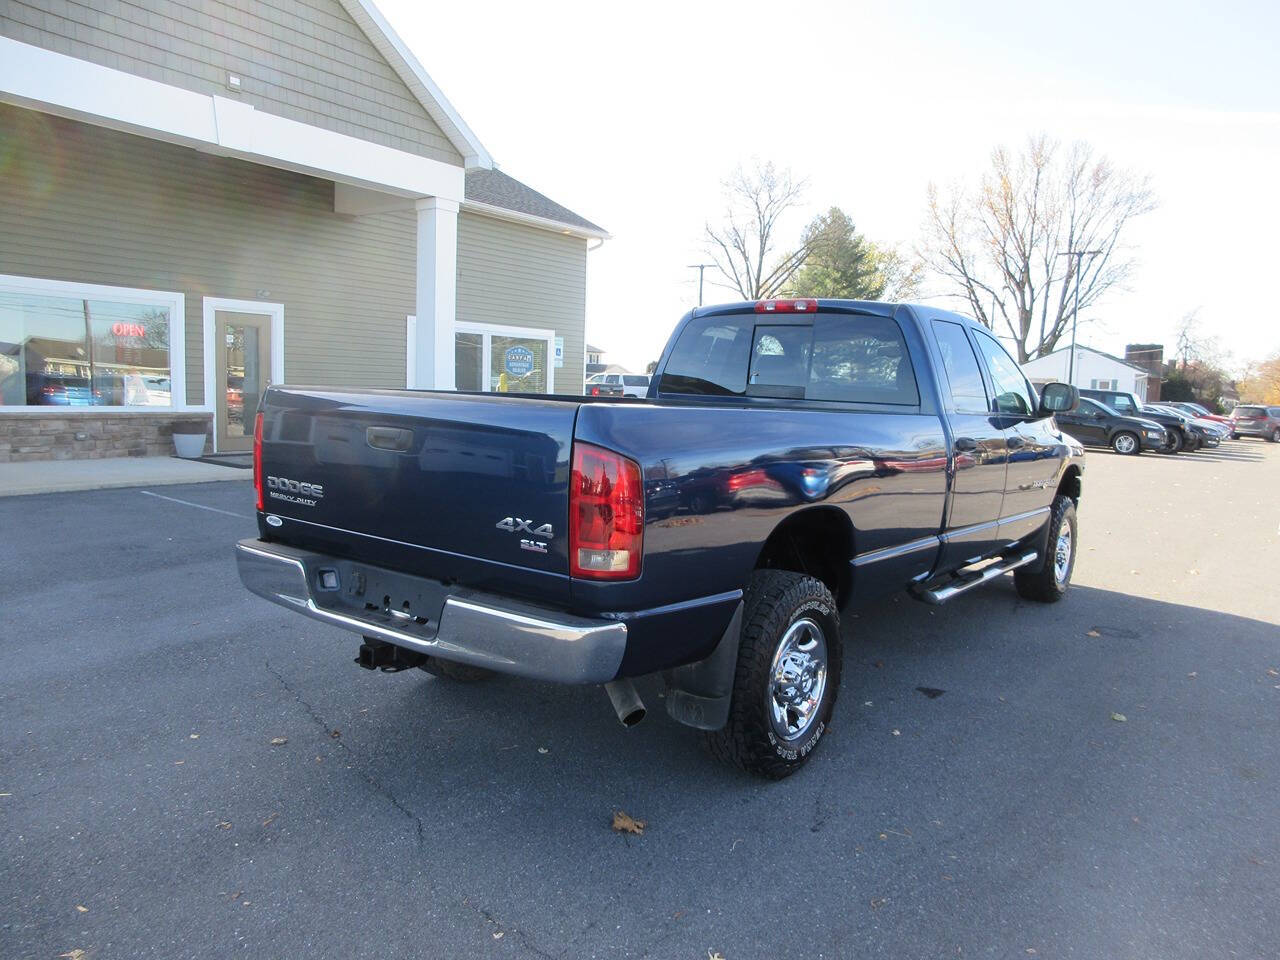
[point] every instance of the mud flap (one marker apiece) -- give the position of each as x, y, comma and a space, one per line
698, 694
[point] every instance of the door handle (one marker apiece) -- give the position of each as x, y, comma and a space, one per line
394, 439
966, 443
1014, 442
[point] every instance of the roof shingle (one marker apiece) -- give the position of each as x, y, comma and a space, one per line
499, 190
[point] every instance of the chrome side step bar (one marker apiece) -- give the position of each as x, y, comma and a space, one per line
962, 582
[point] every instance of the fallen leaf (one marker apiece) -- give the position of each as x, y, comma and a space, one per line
897, 733
224, 825
194, 736
1093, 633
879, 664
279, 741
335, 734
543, 750
1119, 718
1193, 674
1031, 951
497, 934
80, 909
714, 954
1273, 672
878, 902
73, 955
624, 823
267, 822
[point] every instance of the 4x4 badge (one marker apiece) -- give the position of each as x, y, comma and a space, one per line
516, 525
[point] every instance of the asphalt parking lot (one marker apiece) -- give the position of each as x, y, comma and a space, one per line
146, 812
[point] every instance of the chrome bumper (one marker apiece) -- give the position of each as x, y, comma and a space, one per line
473, 628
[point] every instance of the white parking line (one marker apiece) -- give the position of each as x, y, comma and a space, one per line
198, 506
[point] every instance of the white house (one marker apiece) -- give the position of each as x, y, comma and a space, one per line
1094, 370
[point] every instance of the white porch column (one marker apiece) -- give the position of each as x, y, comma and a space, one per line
437, 291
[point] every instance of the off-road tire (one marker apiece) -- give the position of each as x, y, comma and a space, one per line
775, 599
1043, 585
458, 672
1116, 443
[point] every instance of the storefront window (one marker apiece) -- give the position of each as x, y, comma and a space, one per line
517, 365
498, 359
64, 351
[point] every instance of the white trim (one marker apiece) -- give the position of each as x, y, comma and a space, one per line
172, 299
211, 306
530, 220
381, 34
52, 82
411, 352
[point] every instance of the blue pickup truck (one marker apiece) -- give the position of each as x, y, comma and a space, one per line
792, 457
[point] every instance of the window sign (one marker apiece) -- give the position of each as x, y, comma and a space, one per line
559, 352
519, 361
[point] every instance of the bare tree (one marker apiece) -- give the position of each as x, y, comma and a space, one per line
745, 246
997, 248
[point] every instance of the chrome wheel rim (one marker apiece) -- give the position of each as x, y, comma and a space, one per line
1062, 553
797, 680
1124, 443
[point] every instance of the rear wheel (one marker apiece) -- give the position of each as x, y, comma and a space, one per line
787, 676
1125, 443
1275, 435
458, 672
1049, 583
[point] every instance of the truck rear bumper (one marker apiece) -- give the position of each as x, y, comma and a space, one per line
467, 627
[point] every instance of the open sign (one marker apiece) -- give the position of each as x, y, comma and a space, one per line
128, 329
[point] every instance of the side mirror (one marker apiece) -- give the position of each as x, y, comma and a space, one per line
1058, 398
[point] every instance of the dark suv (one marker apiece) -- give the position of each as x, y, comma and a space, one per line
1093, 423
1255, 420
1179, 434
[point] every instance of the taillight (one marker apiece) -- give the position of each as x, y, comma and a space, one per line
606, 515
786, 306
257, 459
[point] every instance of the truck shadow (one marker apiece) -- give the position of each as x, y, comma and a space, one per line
987, 690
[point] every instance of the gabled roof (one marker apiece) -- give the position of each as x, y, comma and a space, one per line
397, 53
493, 192
1101, 353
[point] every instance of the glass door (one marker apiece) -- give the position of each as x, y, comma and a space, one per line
243, 346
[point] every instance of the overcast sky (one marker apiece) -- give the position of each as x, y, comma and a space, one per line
631, 115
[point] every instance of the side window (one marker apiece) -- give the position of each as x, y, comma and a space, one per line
961, 366
1012, 394
710, 358
1122, 403
780, 361
860, 360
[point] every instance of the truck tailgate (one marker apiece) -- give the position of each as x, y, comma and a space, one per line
465, 487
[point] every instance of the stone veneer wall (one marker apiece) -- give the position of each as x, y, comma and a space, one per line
90, 435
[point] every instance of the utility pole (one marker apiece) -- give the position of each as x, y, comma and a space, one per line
1075, 311
700, 267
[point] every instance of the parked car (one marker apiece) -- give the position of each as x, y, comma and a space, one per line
1255, 420
855, 448
1179, 435
1201, 411
1093, 423
598, 387
632, 384
1208, 432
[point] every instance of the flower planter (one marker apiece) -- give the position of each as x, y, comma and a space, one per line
189, 439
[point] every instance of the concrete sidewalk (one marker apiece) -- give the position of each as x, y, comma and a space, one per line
59, 476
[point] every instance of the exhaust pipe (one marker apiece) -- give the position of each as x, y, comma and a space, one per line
626, 702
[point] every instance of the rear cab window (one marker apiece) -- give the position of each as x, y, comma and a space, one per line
829, 357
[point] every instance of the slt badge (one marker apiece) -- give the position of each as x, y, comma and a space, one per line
517, 525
